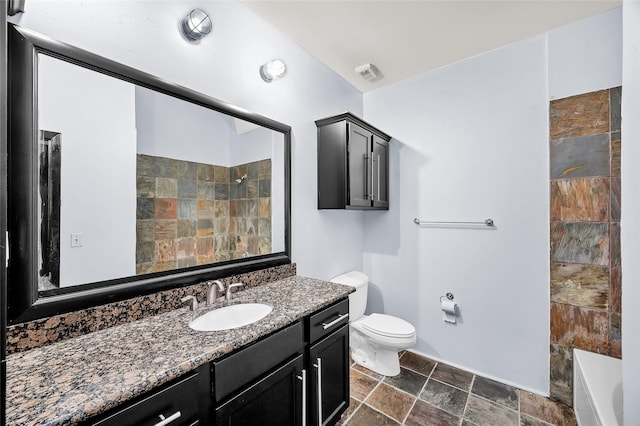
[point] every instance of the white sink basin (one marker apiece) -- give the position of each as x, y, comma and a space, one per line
232, 316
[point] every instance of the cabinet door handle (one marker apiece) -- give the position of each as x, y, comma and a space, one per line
303, 377
318, 367
378, 176
335, 321
170, 419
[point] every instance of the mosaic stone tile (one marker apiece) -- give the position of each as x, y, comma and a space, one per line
220, 209
577, 284
221, 243
254, 245
579, 327
186, 228
391, 402
452, 376
233, 191
165, 229
615, 335
206, 259
165, 250
240, 190
252, 208
221, 191
360, 384
580, 242
185, 170
581, 115
145, 252
206, 191
204, 227
187, 262
205, 172
233, 226
252, 189
221, 174
145, 208
586, 156
616, 150
407, 381
615, 290
187, 209
264, 209
616, 199
417, 363
264, 227
144, 165
222, 256
422, 411
205, 209
144, 230
561, 374
253, 170
187, 189
221, 225
265, 245
367, 416
264, 188
532, 421
264, 169
482, 412
165, 208
580, 199
496, 392
166, 188
144, 268
544, 409
615, 244
147, 165
205, 246
445, 397
186, 248
167, 265
145, 187
615, 105
236, 172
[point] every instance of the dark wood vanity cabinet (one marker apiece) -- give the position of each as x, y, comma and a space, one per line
353, 164
328, 357
183, 402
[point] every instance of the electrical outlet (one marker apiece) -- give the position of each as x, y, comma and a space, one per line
76, 240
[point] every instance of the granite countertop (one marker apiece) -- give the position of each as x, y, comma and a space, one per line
70, 381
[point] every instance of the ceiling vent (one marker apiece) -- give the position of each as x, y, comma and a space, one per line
369, 72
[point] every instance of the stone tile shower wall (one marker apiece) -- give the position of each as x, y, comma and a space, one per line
585, 232
191, 214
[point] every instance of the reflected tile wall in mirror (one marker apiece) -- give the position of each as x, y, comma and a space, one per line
191, 214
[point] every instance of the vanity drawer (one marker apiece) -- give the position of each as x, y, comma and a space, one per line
250, 363
186, 401
328, 320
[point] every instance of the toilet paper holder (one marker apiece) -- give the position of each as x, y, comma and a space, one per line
448, 296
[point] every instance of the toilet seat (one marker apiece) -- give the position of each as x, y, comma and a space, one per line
388, 326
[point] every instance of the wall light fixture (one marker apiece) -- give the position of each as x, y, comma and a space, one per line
273, 70
196, 25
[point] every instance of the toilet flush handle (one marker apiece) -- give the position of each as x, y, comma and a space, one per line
335, 321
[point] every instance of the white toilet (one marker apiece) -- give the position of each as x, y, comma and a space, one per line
375, 339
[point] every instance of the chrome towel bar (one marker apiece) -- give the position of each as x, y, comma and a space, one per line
487, 222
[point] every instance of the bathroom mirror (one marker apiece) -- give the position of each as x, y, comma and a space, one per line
122, 184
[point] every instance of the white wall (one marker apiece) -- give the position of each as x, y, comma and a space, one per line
630, 227
586, 55
471, 142
98, 154
172, 128
226, 65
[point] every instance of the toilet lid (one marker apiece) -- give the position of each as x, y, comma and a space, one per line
389, 326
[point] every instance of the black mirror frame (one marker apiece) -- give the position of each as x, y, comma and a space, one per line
23, 301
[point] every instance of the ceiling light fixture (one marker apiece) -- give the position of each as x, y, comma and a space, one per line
196, 25
273, 70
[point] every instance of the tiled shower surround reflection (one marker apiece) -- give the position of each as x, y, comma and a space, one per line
191, 214
585, 231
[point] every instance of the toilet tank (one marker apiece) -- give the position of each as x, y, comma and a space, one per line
357, 299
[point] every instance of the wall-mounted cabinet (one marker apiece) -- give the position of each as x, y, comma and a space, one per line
353, 164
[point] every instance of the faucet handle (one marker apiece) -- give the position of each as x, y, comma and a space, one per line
229, 289
193, 300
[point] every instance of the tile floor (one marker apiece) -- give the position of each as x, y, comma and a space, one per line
431, 393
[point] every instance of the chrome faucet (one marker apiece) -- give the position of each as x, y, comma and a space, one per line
229, 290
193, 300
212, 287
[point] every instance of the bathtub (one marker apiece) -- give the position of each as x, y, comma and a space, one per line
597, 389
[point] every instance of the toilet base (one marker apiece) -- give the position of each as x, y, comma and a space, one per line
386, 363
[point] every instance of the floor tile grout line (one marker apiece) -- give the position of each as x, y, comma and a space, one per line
417, 398
466, 404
